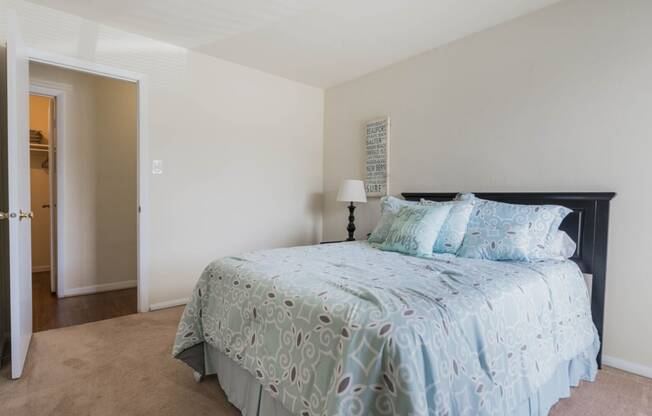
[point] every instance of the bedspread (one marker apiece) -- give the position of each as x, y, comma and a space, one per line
348, 329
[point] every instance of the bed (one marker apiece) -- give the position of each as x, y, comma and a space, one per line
349, 329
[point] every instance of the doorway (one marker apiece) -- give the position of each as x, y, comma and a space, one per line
83, 187
15, 218
41, 145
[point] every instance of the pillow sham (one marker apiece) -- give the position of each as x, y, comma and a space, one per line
415, 229
453, 230
561, 246
502, 231
389, 207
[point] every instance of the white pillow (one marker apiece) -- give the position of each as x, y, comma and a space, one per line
562, 246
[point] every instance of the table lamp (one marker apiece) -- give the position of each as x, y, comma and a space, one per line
352, 191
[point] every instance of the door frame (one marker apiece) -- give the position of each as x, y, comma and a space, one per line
58, 93
142, 209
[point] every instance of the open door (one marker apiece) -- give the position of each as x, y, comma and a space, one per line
15, 208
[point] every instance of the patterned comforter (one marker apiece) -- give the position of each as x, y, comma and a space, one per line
348, 329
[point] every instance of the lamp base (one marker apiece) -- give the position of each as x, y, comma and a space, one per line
351, 227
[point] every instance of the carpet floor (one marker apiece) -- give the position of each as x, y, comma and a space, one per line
122, 366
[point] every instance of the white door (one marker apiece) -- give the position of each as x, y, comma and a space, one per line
16, 169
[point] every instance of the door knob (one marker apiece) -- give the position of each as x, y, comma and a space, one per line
25, 214
4, 215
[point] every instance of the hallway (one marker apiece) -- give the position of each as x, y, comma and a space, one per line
50, 312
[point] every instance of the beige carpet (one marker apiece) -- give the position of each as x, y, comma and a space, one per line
122, 366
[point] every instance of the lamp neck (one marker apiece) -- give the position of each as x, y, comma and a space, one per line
351, 227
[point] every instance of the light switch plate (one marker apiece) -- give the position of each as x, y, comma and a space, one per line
157, 167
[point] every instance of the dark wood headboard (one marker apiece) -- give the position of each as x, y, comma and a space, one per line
588, 225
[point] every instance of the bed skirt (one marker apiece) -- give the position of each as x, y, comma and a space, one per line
244, 392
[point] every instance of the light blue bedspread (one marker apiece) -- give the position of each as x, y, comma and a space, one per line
348, 329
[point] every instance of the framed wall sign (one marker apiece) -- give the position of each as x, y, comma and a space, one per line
377, 137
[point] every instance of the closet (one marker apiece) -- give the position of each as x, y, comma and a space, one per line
42, 146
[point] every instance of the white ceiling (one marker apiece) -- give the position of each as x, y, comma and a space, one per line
317, 42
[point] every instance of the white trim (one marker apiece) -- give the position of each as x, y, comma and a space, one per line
143, 195
105, 287
143, 145
40, 269
630, 367
64, 61
168, 304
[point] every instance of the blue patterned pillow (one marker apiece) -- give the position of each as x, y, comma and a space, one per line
389, 207
452, 232
501, 231
415, 229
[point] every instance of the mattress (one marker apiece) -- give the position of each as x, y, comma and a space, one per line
349, 329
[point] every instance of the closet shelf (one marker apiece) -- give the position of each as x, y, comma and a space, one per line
38, 147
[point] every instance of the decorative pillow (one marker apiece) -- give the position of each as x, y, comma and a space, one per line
562, 246
415, 229
452, 232
389, 207
501, 231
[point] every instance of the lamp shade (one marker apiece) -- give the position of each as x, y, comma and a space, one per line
352, 190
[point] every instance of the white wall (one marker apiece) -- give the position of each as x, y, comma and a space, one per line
98, 177
229, 137
560, 100
116, 163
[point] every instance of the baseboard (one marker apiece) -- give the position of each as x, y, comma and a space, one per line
168, 304
86, 290
40, 269
630, 367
